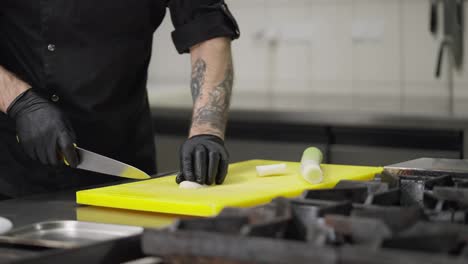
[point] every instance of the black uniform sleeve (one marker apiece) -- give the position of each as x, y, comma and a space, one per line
196, 21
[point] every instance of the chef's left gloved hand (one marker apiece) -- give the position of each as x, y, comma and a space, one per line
203, 159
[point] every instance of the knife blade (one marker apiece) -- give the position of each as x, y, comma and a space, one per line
91, 161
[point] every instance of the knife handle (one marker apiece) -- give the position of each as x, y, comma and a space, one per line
445, 44
60, 156
433, 17
64, 159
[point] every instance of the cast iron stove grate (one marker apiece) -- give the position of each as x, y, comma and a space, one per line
406, 219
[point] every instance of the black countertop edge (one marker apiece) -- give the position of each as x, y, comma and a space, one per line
326, 118
327, 128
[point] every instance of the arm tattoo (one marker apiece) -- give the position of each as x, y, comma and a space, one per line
214, 114
198, 78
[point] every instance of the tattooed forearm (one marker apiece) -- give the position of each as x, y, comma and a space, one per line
198, 78
212, 115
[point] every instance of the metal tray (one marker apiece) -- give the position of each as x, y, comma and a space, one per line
429, 167
72, 233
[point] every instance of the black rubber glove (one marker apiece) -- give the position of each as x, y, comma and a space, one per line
43, 131
203, 159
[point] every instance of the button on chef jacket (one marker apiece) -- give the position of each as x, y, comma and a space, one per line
90, 58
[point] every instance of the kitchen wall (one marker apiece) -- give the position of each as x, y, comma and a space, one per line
367, 55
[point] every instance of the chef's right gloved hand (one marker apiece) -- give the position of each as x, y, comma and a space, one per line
203, 159
43, 131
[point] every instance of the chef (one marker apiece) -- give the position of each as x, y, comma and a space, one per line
74, 72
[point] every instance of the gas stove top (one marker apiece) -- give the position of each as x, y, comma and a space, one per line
407, 218
415, 212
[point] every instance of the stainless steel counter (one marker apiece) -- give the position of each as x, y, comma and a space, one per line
62, 206
29, 210
56, 248
27, 214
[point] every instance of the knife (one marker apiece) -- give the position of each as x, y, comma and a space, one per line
94, 162
91, 161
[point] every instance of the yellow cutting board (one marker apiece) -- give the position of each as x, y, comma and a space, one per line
242, 188
125, 217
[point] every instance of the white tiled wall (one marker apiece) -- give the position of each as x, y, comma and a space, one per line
334, 48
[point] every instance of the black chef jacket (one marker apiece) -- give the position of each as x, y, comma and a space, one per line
90, 58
